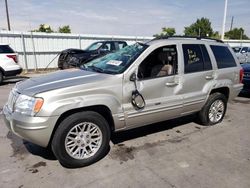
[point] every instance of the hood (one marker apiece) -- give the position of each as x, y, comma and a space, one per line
59, 79
246, 67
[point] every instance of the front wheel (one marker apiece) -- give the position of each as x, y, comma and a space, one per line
81, 139
214, 109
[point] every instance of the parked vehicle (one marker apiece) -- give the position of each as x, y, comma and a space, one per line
75, 111
8, 62
75, 57
242, 53
246, 79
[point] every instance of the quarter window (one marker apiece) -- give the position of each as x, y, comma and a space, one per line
223, 57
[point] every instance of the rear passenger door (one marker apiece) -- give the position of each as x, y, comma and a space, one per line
197, 73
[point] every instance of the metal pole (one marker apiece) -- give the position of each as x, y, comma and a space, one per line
224, 21
7, 14
80, 45
232, 22
34, 50
24, 53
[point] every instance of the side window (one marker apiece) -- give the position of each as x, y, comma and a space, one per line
248, 49
193, 59
121, 45
107, 46
161, 62
244, 49
223, 57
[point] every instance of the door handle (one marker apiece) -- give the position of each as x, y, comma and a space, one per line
171, 84
209, 77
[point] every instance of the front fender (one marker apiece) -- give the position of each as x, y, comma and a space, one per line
56, 108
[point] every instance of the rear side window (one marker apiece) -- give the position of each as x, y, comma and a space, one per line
196, 58
223, 57
5, 49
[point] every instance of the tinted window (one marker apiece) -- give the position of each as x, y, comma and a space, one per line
192, 58
206, 58
121, 45
5, 49
244, 49
223, 56
236, 49
107, 46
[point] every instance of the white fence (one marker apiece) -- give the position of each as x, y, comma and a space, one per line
37, 50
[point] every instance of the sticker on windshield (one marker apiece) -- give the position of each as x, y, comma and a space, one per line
114, 62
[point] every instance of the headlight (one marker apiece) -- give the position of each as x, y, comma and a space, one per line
28, 105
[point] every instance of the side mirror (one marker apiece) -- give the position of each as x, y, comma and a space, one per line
132, 77
137, 100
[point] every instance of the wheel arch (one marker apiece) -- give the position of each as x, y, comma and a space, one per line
100, 109
223, 90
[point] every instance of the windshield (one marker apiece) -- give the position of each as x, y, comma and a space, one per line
117, 62
94, 46
236, 49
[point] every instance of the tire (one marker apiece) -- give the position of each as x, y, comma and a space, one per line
81, 139
214, 109
1, 77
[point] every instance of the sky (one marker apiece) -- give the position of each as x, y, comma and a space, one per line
123, 17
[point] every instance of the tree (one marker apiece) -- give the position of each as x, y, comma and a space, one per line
236, 33
44, 28
202, 27
64, 29
166, 31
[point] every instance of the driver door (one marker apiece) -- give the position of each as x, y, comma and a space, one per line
160, 92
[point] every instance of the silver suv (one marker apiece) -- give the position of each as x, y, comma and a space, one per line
75, 111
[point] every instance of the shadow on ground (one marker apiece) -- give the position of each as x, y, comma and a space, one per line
34, 149
151, 129
13, 80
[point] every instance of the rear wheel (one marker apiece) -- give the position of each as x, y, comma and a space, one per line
81, 139
214, 110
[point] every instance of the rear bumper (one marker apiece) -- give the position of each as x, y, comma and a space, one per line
13, 72
235, 90
37, 130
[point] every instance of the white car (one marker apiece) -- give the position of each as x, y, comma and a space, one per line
242, 53
8, 62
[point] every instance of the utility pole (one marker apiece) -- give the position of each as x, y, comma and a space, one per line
224, 21
7, 14
232, 22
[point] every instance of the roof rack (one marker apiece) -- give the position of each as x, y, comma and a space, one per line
188, 37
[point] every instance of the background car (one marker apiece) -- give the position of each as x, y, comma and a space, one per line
242, 53
246, 79
8, 62
75, 57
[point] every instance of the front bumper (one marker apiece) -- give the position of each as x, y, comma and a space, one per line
37, 130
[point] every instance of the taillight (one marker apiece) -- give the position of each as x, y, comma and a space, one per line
241, 75
14, 57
